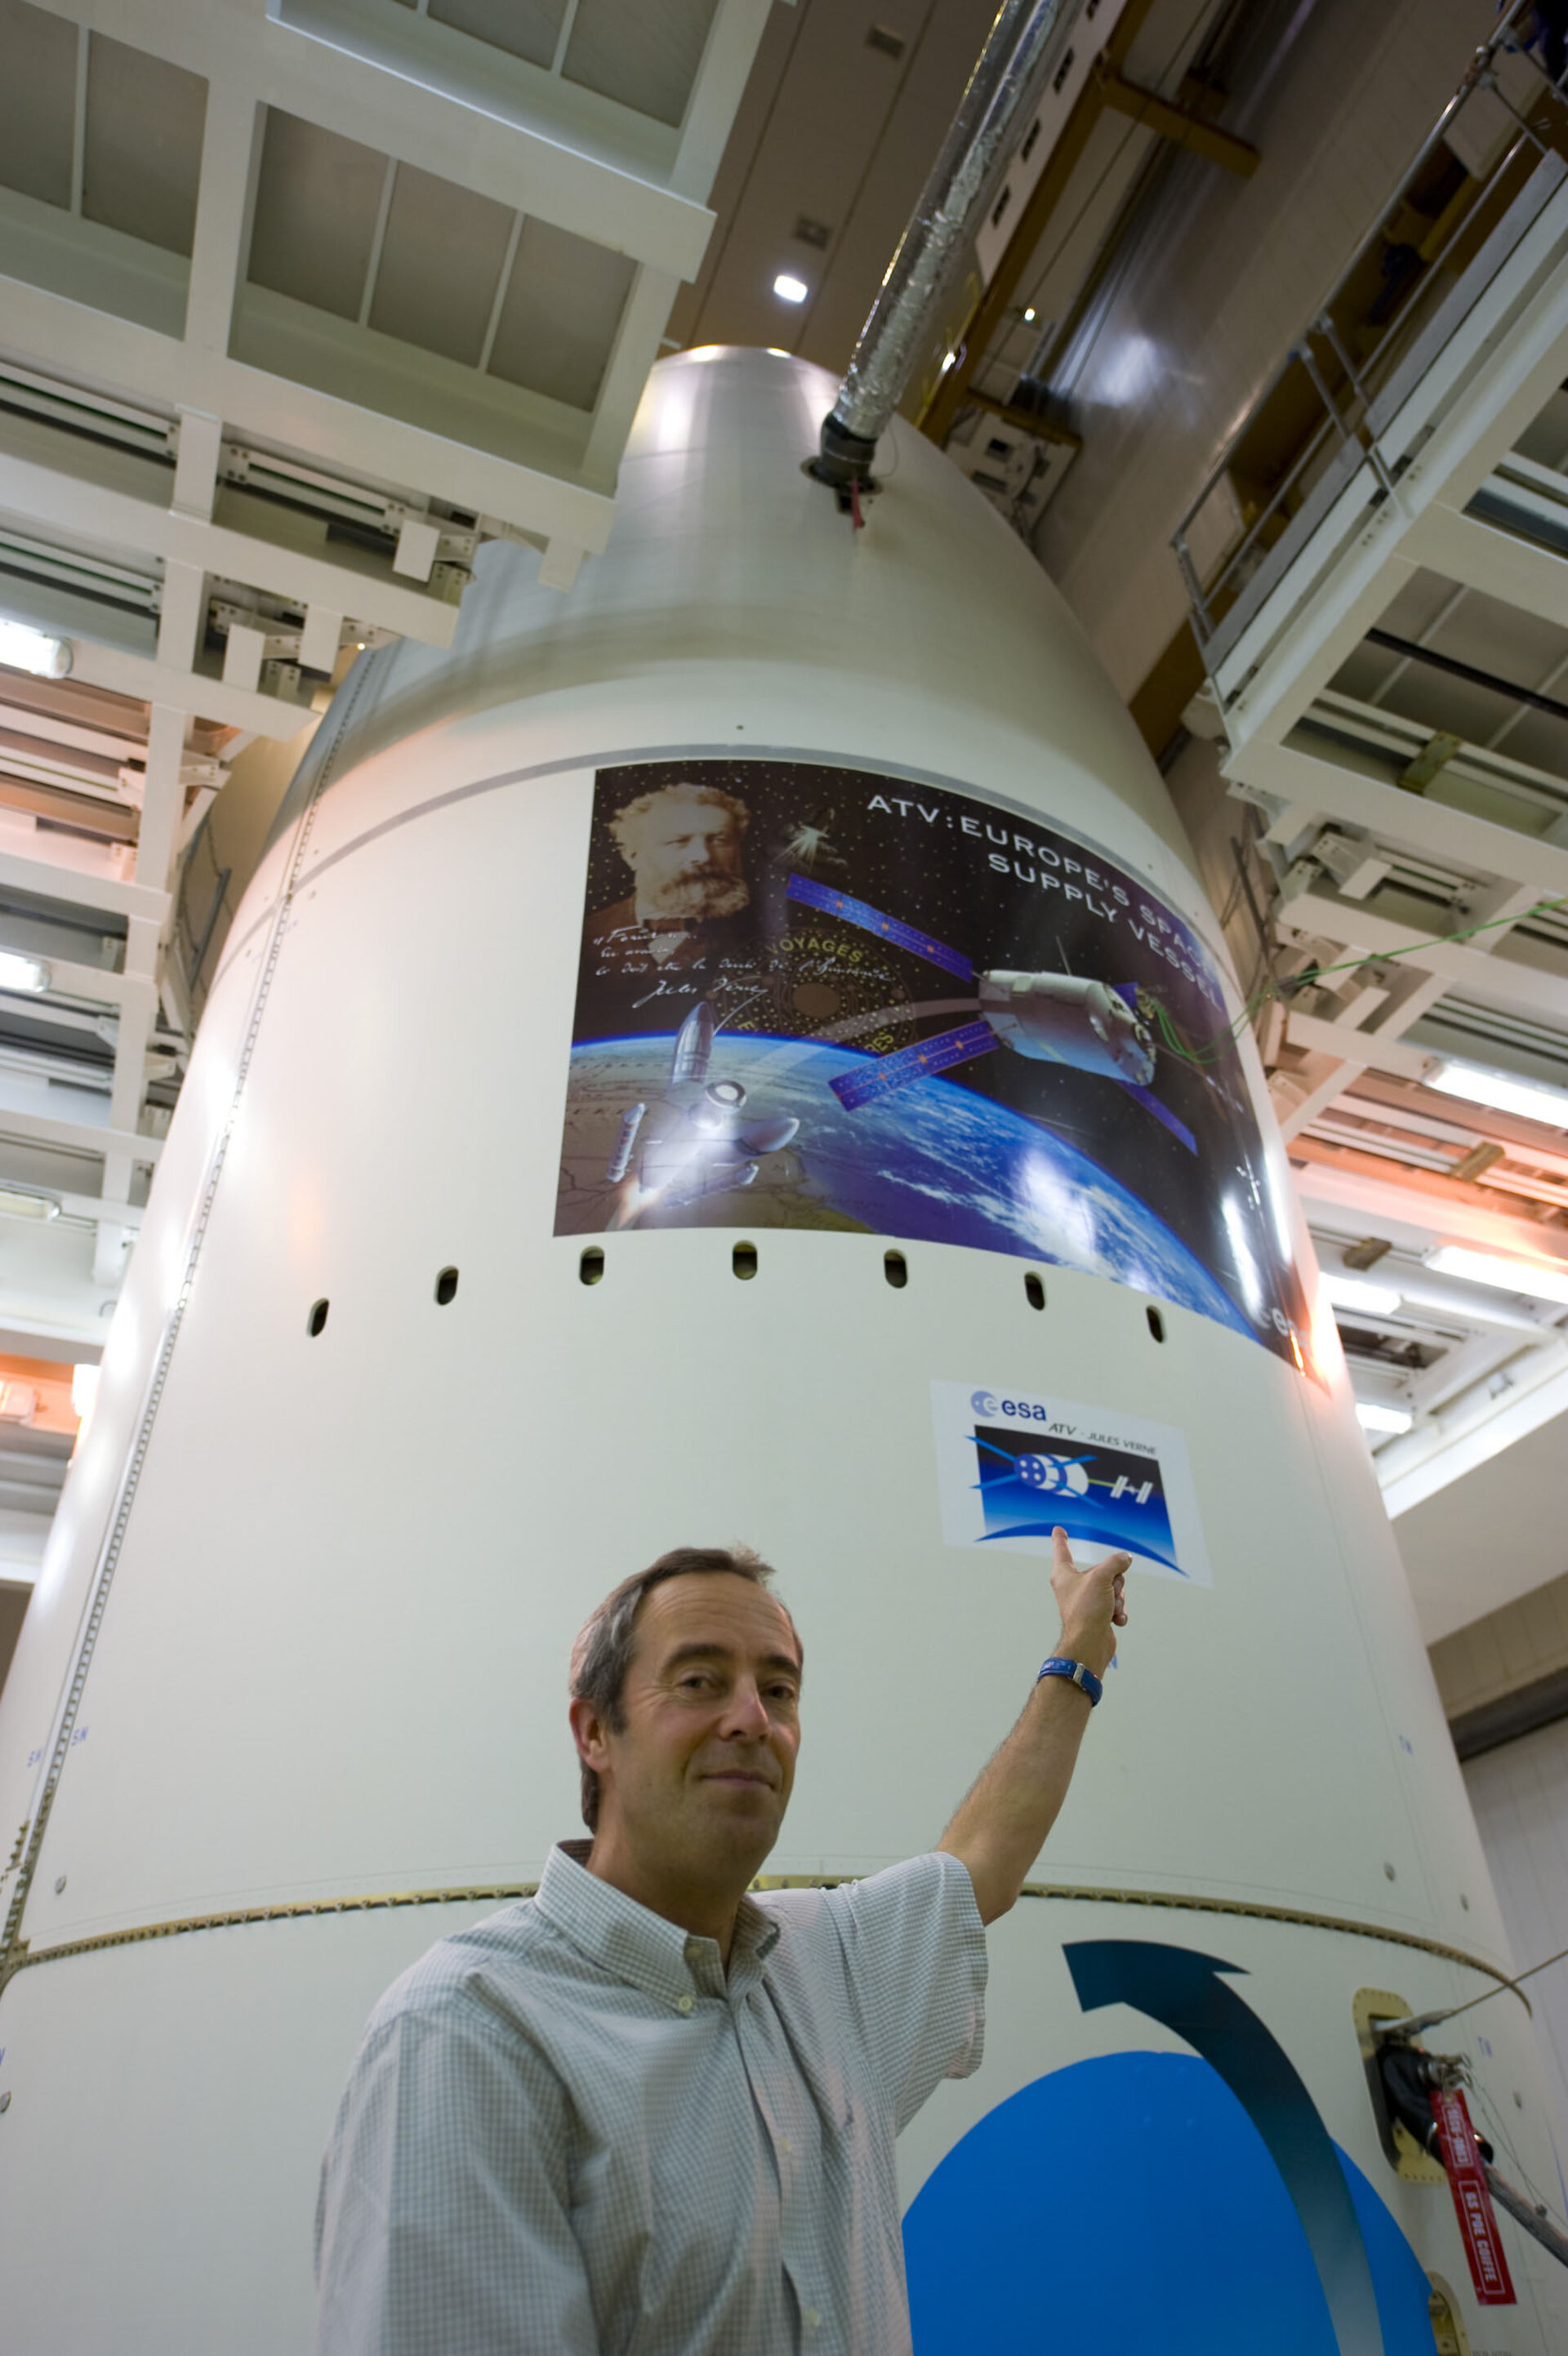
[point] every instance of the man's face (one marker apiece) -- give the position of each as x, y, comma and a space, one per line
686, 858
697, 1780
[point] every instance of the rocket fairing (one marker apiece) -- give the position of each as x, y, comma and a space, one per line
288, 1704
693, 1046
621, 1160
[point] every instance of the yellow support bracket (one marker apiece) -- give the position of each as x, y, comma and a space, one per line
1179, 124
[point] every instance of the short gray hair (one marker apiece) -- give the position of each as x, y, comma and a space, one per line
607, 1638
627, 823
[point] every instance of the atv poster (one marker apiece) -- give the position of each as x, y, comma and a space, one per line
817, 996
1010, 1470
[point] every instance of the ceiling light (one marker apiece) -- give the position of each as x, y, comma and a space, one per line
1382, 1418
24, 649
789, 289
83, 1390
948, 359
18, 972
1534, 1278
17, 1204
1353, 1292
1531, 1099
1029, 317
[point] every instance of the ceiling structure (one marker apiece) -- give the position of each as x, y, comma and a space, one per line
1383, 615
298, 304
302, 300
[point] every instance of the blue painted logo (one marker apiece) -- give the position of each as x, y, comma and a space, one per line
1103, 1495
1195, 2204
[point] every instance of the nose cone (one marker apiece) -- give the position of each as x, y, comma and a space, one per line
694, 1045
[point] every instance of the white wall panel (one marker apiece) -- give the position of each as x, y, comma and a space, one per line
1520, 1793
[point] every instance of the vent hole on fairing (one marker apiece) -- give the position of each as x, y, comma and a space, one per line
447, 1286
1156, 1323
316, 1322
591, 1267
1034, 1291
743, 1259
896, 1267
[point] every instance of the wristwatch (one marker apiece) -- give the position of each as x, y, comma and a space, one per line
1084, 1679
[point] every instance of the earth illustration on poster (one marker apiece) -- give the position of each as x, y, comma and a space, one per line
830, 1001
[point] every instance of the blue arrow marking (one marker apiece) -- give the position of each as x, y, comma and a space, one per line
1184, 1989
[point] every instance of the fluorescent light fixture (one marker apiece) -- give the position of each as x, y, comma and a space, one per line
1531, 1099
83, 1391
1355, 1293
789, 289
1534, 1278
22, 648
1029, 317
948, 359
19, 972
1372, 1417
16, 1203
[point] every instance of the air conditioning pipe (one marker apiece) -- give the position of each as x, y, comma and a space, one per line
1003, 85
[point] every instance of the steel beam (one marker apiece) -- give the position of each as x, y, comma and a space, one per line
1532, 990
50, 882
353, 435
1486, 557
1178, 125
72, 503
1336, 1178
252, 54
77, 1136
1328, 786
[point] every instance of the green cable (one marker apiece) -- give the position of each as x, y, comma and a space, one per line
1213, 1048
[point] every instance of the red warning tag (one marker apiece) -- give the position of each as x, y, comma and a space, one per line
1472, 2199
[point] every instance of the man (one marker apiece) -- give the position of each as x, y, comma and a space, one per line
646, 2114
683, 846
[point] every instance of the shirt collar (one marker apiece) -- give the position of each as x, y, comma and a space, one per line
640, 1948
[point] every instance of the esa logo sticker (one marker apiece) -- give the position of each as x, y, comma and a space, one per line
1011, 1466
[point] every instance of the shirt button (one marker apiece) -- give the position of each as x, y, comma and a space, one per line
683, 2002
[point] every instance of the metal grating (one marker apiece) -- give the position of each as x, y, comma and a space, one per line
38, 101
561, 311
318, 198
644, 56
141, 151
529, 29
441, 263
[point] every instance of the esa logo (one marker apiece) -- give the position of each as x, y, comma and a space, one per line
987, 1403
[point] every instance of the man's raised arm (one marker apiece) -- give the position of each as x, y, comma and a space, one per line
1001, 1828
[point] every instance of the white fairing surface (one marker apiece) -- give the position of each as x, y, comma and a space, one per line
303, 1630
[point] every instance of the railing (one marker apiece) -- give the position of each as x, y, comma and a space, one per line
1318, 421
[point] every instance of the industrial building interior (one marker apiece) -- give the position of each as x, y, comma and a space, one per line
1261, 349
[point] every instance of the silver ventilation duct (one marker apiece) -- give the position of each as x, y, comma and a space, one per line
1004, 82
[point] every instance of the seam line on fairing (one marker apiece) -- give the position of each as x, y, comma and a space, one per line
13, 1948
295, 1910
631, 757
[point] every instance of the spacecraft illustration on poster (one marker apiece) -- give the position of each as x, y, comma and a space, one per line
819, 997
1012, 1467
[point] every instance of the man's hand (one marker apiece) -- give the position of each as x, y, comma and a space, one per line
1091, 1602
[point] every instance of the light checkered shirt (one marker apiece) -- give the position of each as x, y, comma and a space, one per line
567, 2134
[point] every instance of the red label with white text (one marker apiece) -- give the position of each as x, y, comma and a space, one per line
1472, 2201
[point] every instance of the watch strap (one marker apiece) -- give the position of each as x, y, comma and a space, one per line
1084, 1679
